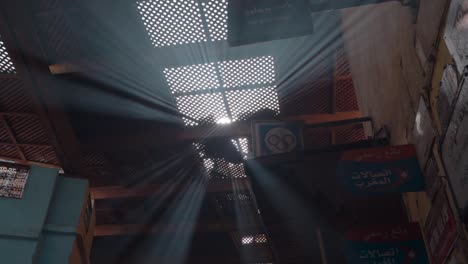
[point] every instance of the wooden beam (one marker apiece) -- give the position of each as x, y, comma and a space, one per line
18, 114
64, 68
314, 119
9, 76
204, 227
114, 192
29, 163
164, 137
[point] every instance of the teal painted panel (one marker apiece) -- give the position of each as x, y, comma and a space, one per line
25, 217
56, 248
67, 202
17, 251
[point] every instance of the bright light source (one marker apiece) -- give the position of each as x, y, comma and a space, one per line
203, 107
247, 240
242, 102
224, 121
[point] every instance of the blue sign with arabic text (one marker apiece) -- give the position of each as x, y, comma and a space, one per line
392, 169
401, 244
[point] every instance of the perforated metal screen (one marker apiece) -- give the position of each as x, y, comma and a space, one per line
172, 22
192, 78
179, 22
259, 70
254, 239
223, 92
6, 65
216, 18
207, 108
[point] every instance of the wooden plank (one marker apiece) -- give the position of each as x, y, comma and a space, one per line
118, 230
113, 192
63, 68
171, 136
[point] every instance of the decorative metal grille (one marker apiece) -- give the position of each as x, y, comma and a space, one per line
216, 18
259, 70
172, 22
242, 145
6, 65
209, 107
199, 95
192, 78
243, 102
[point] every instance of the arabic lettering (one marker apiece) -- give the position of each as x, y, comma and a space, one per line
367, 179
387, 154
268, 10
395, 233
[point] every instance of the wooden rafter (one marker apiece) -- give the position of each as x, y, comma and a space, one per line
113, 192
115, 230
163, 137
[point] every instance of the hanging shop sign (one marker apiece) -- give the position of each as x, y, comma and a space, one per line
252, 21
390, 169
275, 137
399, 244
440, 229
447, 95
456, 33
13, 180
455, 149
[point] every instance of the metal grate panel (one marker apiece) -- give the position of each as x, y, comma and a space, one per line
9, 151
314, 97
28, 130
221, 169
4, 137
345, 96
242, 145
192, 78
244, 102
172, 22
216, 18
350, 134
40, 154
204, 107
254, 239
6, 65
259, 70
13, 96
